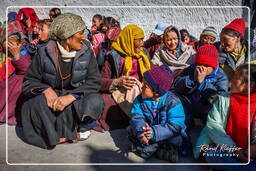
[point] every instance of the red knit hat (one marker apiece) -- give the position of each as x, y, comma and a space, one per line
238, 25
207, 55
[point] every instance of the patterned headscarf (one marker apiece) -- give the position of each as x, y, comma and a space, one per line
65, 26
125, 45
177, 51
12, 30
2, 33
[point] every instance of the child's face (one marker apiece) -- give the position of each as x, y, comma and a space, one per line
43, 32
147, 91
96, 22
206, 40
104, 28
238, 85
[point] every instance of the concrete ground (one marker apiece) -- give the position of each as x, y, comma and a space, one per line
108, 148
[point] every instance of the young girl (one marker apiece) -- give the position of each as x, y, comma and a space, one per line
157, 117
227, 124
97, 21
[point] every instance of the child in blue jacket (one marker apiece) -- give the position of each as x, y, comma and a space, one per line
157, 117
199, 85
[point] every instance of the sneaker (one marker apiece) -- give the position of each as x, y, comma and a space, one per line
170, 155
84, 135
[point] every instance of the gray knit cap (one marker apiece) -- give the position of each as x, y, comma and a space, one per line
65, 26
209, 31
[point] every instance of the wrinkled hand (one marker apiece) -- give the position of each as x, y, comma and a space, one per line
63, 101
242, 156
200, 74
125, 81
14, 49
51, 96
147, 131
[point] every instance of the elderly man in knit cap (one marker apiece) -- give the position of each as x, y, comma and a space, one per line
157, 117
62, 85
208, 36
199, 84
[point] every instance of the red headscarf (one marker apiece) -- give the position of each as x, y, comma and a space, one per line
27, 13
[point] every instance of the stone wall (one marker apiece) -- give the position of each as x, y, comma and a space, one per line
146, 13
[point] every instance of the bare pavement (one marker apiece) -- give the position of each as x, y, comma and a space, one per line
106, 148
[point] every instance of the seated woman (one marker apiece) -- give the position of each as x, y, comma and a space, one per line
235, 49
199, 84
61, 85
18, 62
173, 52
125, 64
224, 139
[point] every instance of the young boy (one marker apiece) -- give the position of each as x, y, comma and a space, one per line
199, 84
157, 117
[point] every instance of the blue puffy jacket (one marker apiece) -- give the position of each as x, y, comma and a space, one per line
169, 119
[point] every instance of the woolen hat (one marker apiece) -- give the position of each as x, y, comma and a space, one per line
65, 26
238, 25
160, 78
12, 16
207, 55
159, 29
209, 31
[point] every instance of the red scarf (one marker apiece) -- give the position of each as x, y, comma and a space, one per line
237, 124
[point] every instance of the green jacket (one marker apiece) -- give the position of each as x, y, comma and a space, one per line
215, 130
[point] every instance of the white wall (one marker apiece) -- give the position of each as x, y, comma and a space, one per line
193, 19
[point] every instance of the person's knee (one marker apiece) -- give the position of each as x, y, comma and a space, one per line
175, 141
95, 100
95, 103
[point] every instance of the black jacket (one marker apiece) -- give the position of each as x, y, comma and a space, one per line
42, 73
